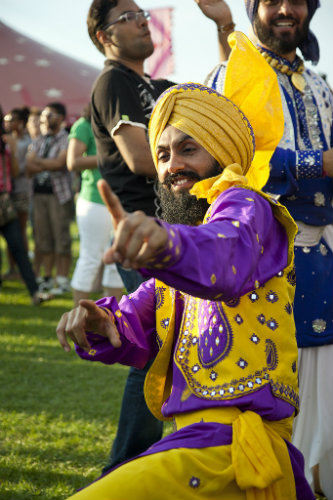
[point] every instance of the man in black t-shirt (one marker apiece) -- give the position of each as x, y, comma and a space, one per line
130, 99
122, 99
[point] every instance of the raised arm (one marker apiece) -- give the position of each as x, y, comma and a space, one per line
219, 12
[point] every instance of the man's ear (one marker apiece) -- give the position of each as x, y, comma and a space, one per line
103, 38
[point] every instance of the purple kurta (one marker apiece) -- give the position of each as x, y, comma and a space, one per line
201, 254
194, 255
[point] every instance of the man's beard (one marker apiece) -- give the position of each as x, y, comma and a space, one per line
286, 43
182, 207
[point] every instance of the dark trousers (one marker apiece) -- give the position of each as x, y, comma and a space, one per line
12, 234
137, 429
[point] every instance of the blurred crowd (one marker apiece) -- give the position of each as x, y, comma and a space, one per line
48, 170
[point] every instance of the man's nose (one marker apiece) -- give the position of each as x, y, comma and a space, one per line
176, 164
141, 20
285, 7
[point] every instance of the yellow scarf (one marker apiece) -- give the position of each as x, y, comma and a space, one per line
219, 124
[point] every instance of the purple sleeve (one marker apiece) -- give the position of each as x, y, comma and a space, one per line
135, 320
240, 247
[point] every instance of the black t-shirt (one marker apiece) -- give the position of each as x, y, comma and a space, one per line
121, 96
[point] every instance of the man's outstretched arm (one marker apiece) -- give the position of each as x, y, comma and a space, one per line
222, 259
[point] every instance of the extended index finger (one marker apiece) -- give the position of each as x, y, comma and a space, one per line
111, 201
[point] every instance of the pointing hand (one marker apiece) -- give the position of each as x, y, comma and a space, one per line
137, 238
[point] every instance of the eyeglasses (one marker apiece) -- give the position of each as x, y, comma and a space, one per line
129, 16
275, 3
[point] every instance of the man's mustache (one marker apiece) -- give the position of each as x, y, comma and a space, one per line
168, 181
283, 18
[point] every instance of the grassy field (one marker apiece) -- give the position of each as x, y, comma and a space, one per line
58, 413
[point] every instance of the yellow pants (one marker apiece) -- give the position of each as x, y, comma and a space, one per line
256, 466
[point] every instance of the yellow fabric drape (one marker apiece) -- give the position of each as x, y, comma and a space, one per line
211, 188
252, 84
259, 453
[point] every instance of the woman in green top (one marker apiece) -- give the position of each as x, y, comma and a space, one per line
93, 219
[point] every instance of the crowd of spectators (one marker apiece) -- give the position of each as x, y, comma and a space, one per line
42, 180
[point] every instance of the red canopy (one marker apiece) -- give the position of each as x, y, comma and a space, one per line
32, 74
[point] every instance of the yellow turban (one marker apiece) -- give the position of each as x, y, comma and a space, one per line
220, 126
212, 120
209, 118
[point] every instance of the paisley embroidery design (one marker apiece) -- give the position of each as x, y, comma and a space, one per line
288, 308
291, 277
215, 335
160, 296
271, 354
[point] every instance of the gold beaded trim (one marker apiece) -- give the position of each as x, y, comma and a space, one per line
297, 78
276, 64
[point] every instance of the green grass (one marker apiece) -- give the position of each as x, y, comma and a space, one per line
58, 413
